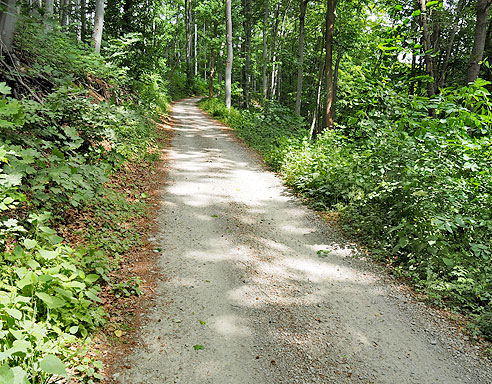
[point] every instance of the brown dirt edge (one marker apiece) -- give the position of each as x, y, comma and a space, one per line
128, 314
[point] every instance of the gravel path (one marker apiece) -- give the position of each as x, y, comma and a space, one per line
244, 279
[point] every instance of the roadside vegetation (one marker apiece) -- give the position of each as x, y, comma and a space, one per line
72, 123
380, 111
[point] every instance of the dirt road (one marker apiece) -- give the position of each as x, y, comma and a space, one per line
259, 289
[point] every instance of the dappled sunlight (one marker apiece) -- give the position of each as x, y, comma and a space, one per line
231, 325
318, 271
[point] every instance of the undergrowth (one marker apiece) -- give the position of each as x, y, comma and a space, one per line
415, 188
69, 120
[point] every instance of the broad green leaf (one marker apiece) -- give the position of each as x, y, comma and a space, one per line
51, 302
47, 255
29, 243
15, 313
91, 278
53, 365
6, 375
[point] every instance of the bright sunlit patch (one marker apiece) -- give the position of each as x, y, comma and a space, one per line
230, 325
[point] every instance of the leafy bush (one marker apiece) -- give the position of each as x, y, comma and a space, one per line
416, 188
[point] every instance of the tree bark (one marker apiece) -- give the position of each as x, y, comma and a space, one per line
8, 21
330, 25
188, 43
452, 35
426, 43
482, 11
247, 51
228, 68
83, 19
49, 7
335, 84
302, 16
265, 51
98, 25
276, 49
195, 54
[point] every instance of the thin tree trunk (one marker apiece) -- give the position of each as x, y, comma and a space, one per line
98, 25
426, 43
126, 18
316, 113
483, 7
302, 16
274, 53
8, 21
452, 35
335, 84
228, 67
247, 51
330, 25
83, 19
49, 7
211, 74
265, 51
188, 43
276, 68
196, 49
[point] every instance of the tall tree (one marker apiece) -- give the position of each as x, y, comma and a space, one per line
228, 68
302, 15
8, 21
83, 19
265, 50
427, 47
482, 11
98, 25
188, 43
330, 26
247, 50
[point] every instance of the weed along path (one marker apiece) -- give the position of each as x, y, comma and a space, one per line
257, 288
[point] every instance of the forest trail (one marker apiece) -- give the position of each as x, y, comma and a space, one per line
269, 290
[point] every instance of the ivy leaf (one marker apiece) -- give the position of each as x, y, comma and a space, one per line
53, 365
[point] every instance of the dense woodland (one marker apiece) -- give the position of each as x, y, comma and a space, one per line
377, 111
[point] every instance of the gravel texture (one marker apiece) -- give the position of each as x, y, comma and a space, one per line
246, 282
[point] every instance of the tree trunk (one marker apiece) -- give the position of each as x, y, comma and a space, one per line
8, 21
188, 43
196, 49
49, 7
335, 84
228, 68
452, 35
98, 25
83, 19
265, 51
211, 74
247, 51
330, 25
426, 43
483, 7
126, 18
276, 48
302, 16
274, 53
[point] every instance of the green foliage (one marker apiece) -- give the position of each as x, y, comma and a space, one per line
417, 189
48, 296
56, 154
